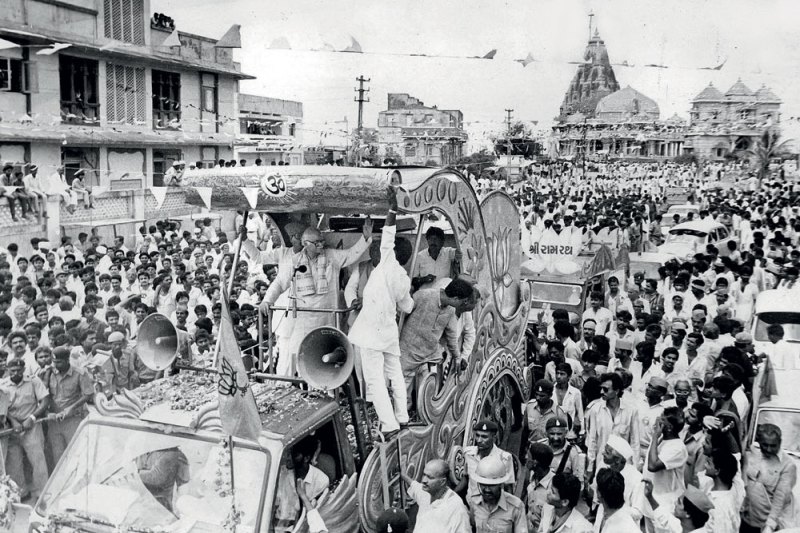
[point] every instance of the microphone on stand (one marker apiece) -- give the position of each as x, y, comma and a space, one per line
302, 270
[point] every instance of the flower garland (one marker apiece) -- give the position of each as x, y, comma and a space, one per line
9, 495
222, 484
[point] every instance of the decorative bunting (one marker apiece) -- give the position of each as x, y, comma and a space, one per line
159, 193
53, 49
527, 61
354, 47
281, 43
231, 39
205, 195
172, 39
251, 193
5, 45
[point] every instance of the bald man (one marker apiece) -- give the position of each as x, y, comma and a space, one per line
440, 509
315, 270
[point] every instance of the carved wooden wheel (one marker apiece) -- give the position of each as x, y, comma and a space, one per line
502, 404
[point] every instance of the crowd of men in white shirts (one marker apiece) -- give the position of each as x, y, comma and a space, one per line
639, 409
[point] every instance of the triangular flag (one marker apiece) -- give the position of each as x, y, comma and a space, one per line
527, 61
53, 49
5, 45
251, 193
159, 193
490, 55
172, 39
281, 43
328, 47
238, 411
354, 47
231, 39
205, 195
99, 190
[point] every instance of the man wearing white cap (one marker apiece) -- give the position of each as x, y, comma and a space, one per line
174, 174
494, 510
33, 186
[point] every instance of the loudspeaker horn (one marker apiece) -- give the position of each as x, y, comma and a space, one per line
159, 342
325, 358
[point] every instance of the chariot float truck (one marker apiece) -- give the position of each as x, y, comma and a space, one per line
97, 485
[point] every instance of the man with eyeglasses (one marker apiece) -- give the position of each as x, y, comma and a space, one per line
314, 270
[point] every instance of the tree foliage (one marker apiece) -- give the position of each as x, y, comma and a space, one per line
767, 147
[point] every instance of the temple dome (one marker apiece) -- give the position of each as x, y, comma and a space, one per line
625, 104
764, 94
710, 94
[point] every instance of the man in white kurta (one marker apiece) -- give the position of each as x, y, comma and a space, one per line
388, 290
317, 287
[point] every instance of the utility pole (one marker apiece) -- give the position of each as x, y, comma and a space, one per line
360, 99
591, 16
508, 120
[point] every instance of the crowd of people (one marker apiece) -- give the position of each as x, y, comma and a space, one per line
638, 409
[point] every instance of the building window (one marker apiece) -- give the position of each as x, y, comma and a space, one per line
162, 161
208, 93
79, 102
715, 115
744, 114
16, 75
166, 99
87, 159
292, 129
411, 150
124, 20
125, 94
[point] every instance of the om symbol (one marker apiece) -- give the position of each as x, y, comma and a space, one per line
273, 185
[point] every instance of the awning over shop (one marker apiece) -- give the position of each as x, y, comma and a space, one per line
105, 136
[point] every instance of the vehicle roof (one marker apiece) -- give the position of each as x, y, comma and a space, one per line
286, 412
307, 188
648, 257
777, 301
681, 207
697, 225
781, 402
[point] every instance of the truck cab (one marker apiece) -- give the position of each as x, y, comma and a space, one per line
167, 465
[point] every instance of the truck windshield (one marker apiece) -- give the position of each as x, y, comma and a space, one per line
134, 479
789, 321
686, 236
555, 293
789, 422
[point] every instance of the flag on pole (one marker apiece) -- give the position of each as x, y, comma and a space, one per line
237, 405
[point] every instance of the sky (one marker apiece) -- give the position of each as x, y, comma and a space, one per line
756, 39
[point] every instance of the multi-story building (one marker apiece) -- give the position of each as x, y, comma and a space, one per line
270, 130
102, 86
598, 119
419, 134
722, 124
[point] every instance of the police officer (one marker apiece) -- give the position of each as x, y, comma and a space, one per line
27, 403
494, 510
69, 387
566, 455
484, 433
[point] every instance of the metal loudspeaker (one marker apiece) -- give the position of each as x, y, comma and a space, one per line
325, 358
159, 342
